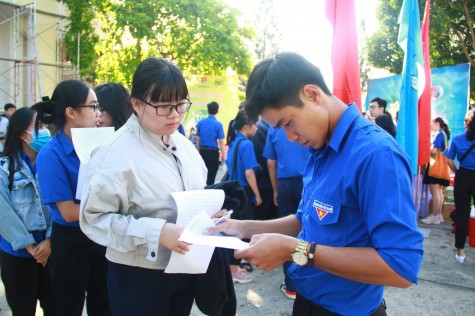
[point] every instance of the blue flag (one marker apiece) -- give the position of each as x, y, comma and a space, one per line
409, 40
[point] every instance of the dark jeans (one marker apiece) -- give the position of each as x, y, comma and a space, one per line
464, 191
26, 282
77, 265
304, 307
267, 210
290, 194
211, 159
144, 292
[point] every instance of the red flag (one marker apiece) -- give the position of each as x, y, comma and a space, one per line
345, 59
424, 105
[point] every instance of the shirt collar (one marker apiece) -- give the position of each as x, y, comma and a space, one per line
65, 142
343, 126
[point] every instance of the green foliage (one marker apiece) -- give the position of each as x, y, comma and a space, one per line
200, 36
451, 35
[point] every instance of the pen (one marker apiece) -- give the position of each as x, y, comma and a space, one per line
221, 219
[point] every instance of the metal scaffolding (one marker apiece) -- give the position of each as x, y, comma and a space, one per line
26, 75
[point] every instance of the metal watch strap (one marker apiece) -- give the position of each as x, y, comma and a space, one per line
311, 253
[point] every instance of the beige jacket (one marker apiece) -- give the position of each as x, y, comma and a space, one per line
126, 196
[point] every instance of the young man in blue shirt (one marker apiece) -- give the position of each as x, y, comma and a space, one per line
346, 242
209, 140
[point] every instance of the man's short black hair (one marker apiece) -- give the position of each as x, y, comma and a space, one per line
277, 81
381, 103
213, 108
9, 106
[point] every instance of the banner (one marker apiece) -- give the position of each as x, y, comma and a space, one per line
450, 94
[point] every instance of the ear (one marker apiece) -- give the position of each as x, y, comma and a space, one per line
312, 93
136, 104
70, 113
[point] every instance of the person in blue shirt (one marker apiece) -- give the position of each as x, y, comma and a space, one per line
78, 265
439, 146
345, 241
210, 141
241, 162
25, 223
463, 148
286, 162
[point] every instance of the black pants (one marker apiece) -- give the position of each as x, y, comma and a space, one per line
211, 159
267, 210
144, 292
464, 191
304, 307
77, 265
25, 282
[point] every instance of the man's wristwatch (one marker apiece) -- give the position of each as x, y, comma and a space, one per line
300, 254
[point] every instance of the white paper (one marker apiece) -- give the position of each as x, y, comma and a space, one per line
189, 204
86, 139
193, 234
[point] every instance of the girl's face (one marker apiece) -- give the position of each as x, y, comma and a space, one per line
251, 130
105, 120
434, 125
158, 124
87, 115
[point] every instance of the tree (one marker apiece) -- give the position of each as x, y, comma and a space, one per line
267, 29
200, 36
452, 35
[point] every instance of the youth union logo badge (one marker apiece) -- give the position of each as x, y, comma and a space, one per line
322, 209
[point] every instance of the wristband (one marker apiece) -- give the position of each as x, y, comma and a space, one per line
311, 253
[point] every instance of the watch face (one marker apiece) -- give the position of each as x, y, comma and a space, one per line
299, 258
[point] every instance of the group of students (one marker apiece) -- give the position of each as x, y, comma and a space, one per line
112, 246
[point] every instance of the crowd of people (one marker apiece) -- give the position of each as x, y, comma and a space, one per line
307, 165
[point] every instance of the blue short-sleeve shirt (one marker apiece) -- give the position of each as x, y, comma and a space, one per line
290, 156
439, 141
246, 159
357, 193
58, 166
209, 130
459, 145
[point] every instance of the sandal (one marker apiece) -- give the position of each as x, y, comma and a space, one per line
246, 266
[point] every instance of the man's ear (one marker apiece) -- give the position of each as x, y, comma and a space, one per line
312, 93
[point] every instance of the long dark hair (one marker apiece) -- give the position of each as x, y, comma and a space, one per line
68, 93
443, 126
114, 98
19, 123
237, 124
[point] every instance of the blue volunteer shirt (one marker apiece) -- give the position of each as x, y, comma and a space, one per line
209, 130
459, 145
290, 156
58, 167
439, 141
341, 207
246, 159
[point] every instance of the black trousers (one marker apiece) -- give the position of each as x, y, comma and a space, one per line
304, 307
77, 265
464, 191
211, 159
148, 292
26, 282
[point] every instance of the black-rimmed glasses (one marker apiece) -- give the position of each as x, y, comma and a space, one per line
167, 109
94, 105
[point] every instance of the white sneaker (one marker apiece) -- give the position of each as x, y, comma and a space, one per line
441, 218
460, 259
431, 220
